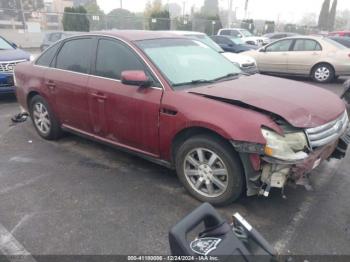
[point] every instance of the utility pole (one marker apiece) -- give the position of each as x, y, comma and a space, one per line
121, 4
183, 9
23, 16
229, 14
246, 9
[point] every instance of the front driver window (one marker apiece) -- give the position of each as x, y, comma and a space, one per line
113, 58
280, 46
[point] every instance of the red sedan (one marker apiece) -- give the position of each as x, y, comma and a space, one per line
177, 102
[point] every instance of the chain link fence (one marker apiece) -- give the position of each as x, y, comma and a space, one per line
27, 28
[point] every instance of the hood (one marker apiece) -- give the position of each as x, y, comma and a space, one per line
249, 47
254, 38
13, 54
302, 105
238, 58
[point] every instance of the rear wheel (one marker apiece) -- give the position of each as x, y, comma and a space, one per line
323, 73
210, 170
43, 119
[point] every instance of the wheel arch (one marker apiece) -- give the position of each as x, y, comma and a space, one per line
188, 132
30, 95
322, 63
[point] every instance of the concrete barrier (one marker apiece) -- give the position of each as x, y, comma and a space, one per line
26, 40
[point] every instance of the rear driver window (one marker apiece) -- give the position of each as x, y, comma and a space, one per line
113, 58
306, 45
75, 55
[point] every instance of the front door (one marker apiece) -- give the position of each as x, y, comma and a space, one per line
127, 115
274, 58
68, 82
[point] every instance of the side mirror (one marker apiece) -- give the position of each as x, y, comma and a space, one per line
230, 45
135, 78
239, 35
14, 45
263, 50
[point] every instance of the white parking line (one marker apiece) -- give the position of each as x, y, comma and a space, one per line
288, 234
21, 184
282, 244
12, 249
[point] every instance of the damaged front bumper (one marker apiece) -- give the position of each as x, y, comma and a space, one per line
264, 173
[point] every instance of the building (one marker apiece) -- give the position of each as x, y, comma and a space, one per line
58, 6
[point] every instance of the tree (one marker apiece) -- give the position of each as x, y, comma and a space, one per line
160, 20
75, 19
342, 20
183, 23
332, 14
324, 15
208, 19
123, 19
96, 15
159, 17
309, 19
174, 10
210, 8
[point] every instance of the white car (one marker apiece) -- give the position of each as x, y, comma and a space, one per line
245, 35
246, 63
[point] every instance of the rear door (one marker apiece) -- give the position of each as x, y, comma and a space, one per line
305, 53
68, 81
275, 57
127, 115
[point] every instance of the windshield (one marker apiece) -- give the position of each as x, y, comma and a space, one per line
183, 61
246, 33
237, 40
4, 45
206, 40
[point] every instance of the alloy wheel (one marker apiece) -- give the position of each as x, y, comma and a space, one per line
41, 118
206, 172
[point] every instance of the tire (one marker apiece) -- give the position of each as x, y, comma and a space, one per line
45, 122
205, 172
323, 73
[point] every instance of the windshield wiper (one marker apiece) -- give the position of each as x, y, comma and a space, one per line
195, 82
230, 75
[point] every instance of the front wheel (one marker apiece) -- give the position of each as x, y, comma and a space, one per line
210, 170
323, 73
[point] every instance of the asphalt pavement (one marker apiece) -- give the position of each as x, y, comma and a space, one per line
79, 197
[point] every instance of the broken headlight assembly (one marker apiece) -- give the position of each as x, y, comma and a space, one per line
289, 147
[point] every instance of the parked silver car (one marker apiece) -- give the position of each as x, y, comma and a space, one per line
318, 57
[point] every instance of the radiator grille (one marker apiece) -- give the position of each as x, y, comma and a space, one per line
322, 135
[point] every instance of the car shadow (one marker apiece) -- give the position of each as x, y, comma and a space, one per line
7, 98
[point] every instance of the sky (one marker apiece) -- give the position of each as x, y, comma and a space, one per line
282, 10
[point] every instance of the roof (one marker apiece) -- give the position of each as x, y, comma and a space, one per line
183, 33
305, 37
235, 28
135, 35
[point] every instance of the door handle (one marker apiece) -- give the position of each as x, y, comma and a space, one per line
50, 84
99, 96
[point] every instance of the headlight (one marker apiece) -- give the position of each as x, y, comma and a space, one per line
236, 64
31, 58
287, 147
